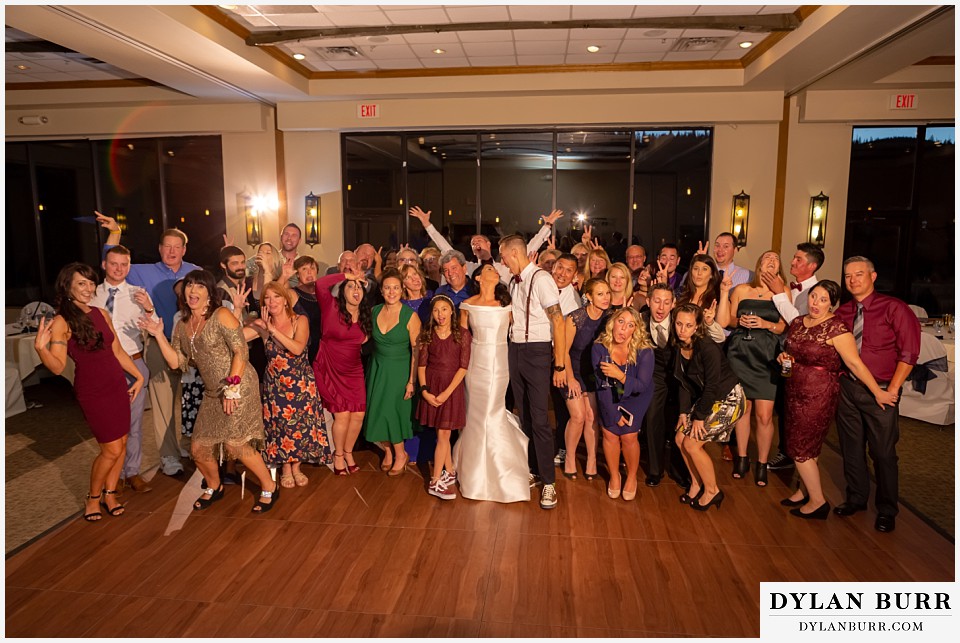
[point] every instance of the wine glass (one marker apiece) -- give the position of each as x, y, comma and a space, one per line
938, 328
749, 337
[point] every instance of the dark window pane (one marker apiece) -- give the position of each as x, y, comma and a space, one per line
932, 274
22, 263
374, 168
881, 168
516, 179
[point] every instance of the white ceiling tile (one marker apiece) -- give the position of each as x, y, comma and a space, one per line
345, 7
597, 34
502, 35
412, 63
778, 8
643, 45
580, 46
638, 57
359, 18
529, 47
301, 20
26, 78
541, 60
451, 49
363, 41
477, 14
418, 17
709, 33
258, 21
653, 33
493, 61
488, 48
663, 11
589, 59
587, 11
730, 54
430, 38
539, 12
387, 52
688, 55
727, 10
541, 34
316, 65
443, 61
350, 65
329, 42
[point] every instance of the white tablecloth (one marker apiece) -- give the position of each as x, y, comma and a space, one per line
937, 404
22, 356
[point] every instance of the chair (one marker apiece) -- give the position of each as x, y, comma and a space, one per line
918, 311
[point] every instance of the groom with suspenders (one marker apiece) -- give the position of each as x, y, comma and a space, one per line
536, 308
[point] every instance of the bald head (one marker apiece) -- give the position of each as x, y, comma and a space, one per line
347, 261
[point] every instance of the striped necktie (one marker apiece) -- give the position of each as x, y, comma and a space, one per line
661, 336
858, 326
110, 298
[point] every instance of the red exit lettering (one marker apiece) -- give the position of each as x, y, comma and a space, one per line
369, 110
903, 101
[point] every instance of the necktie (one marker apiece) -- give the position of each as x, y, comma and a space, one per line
858, 326
661, 336
795, 286
110, 298
517, 279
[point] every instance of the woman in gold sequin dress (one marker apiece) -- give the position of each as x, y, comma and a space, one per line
229, 423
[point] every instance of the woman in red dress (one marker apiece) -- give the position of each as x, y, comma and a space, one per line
347, 324
86, 334
817, 342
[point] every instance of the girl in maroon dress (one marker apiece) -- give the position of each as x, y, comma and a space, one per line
817, 342
444, 354
347, 324
86, 334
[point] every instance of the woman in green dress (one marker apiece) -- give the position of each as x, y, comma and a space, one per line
390, 378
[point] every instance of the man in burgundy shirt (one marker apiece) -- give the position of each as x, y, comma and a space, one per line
888, 339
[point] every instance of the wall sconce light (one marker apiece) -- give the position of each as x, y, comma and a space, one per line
817, 227
251, 218
739, 217
311, 218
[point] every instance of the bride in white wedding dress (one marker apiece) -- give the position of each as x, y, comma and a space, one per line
490, 456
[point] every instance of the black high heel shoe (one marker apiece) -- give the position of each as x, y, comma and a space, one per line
686, 499
209, 497
116, 511
820, 513
716, 500
786, 502
96, 515
760, 479
741, 464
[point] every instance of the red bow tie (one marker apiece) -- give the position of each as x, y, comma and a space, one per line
795, 286
517, 279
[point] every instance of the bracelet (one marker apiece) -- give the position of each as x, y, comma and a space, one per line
149, 312
231, 387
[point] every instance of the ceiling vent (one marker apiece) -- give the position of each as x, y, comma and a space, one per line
338, 53
701, 44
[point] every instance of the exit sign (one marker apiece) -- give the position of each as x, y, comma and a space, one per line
368, 110
903, 101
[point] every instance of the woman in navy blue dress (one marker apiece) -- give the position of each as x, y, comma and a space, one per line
623, 363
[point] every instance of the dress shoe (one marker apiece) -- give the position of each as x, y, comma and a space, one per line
786, 502
820, 513
138, 484
848, 509
886, 524
653, 481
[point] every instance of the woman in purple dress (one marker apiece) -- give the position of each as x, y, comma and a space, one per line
347, 325
86, 334
816, 342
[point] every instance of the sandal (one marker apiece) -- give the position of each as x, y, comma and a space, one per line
336, 471
286, 481
261, 507
116, 511
300, 479
351, 468
97, 515
209, 497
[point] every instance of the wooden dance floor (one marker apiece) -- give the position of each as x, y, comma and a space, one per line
373, 556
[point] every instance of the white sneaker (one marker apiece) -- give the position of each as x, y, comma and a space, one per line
439, 489
170, 465
548, 498
560, 457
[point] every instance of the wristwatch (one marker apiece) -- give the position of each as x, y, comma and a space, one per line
559, 369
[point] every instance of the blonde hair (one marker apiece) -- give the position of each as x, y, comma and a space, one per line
627, 277
596, 252
406, 269
638, 341
273, 271
757, 281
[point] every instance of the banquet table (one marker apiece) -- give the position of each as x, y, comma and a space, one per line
22, 368
936, 403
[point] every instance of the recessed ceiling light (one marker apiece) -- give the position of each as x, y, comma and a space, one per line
746, 44
654, 33
228, 7
298, 56
439, 51
22, 67
378, 40
593, 49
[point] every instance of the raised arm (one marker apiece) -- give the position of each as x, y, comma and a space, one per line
51, 343
424, 217
544, 233
111, 225
174, 358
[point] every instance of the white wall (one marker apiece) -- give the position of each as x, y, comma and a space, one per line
312, 163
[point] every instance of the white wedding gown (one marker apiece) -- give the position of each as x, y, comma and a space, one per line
490, 456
